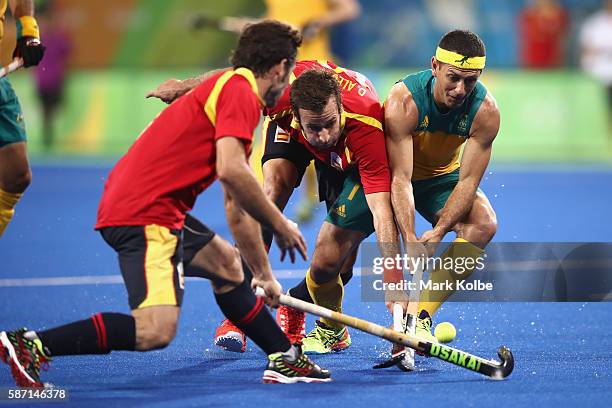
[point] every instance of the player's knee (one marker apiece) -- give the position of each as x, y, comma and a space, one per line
163, 334
489, 229
230, 267
154, 333
482, 233
19, 182
166, 335
323, 270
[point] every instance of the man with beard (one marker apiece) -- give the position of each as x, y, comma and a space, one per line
143, 217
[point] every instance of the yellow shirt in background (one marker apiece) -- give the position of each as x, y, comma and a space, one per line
298, 13
2, 11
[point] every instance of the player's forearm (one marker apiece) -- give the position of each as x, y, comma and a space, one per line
387, 236
247, 234
185, 85
382, 213
242, 185
191, 83
386, 233
386, 230
402, 199
457, 205
20, 8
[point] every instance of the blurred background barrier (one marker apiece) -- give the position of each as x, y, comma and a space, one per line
552, 116
111, 52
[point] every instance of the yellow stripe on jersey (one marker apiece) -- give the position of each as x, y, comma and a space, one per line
250, 76
348, 154
295, 124
280, 114
259, 150
210, 107
323, 63
365, 119
435, 154
264, 130
353, 192
159, 271
337, 70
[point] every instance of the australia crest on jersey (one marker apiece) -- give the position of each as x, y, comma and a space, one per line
462, 125
424, 123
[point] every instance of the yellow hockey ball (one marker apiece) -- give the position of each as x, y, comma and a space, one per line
445, 332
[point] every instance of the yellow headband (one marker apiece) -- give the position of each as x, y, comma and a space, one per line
458, 60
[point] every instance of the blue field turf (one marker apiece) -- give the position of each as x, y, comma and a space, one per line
562, 350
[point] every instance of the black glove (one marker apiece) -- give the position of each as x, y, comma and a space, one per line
30, 49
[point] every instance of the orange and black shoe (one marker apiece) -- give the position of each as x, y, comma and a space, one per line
25, 356
292, 322
229, 337
292, 367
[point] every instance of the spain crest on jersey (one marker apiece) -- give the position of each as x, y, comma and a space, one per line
281, 136
335, 161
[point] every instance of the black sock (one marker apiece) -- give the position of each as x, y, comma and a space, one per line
249, 313
300, 291
346, 277
99, 334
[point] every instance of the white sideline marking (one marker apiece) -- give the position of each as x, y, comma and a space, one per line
111, 279
62, 281
300, 273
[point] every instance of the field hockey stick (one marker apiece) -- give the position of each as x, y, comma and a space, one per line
12, 67
496, 370
228, 24
404, 359
406, 323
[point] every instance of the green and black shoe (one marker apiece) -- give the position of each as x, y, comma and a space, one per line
423, 327
25, 356
324, 339
293, 366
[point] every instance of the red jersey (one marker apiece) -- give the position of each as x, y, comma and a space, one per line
174, 159
362, 142
542, 34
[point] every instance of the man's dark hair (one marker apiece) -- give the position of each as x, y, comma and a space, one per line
263, 45
312, 90
463, 42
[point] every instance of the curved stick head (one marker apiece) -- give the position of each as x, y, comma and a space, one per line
394, 360
403, 360
504, 369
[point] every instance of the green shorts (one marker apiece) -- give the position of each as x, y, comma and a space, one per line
12, 128
430, 195
351, 211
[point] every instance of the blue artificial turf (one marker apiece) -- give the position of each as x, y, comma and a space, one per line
562, 350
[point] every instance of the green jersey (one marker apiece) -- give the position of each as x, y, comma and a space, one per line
438, 138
